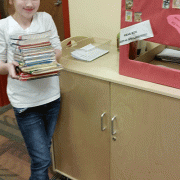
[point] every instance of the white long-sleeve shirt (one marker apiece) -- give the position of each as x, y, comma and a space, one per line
24, 94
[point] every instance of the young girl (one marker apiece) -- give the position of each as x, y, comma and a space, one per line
36, 103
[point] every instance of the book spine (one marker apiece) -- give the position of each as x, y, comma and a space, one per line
37, 36
38, 63
36, 57
37, 77
34, 53
17, 57
38, 49
35, 45
38, 53
34, 41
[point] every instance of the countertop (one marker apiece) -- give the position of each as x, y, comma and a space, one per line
107, 68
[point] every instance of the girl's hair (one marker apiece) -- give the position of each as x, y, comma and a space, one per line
9, 9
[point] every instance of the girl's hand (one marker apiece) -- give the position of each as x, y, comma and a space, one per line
58, 54
12, 71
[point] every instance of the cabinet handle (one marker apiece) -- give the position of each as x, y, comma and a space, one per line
102, 122
112, 125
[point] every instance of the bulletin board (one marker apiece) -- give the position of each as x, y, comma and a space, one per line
164, 17
165, 22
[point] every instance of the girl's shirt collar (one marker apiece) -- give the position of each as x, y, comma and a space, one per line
33, 19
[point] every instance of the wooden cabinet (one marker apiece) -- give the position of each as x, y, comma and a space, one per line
147, 135
141, 139
81, 148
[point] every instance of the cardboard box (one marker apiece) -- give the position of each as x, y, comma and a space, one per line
146, 67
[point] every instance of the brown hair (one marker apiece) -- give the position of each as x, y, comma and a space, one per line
9, 9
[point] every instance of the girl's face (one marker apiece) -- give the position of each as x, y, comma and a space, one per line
25, 8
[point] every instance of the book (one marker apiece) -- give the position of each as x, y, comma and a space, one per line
26, 77
32, 41
38, 50
47, 70
36, 36
36, 67
29, 64
31, 36
38, 71
44, 44
34, 73
17, 48
35, 55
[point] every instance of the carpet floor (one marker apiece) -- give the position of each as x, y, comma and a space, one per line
14, 158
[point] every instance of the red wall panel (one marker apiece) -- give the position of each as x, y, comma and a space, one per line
3, 84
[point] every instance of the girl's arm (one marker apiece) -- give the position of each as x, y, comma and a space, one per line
9, 68
55, 41
58, 55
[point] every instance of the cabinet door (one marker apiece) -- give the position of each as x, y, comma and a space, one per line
81, 148
147, 135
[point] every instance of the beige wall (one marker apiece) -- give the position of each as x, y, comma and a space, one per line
95, 18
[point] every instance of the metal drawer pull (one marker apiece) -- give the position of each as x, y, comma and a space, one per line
112, 125
102, 123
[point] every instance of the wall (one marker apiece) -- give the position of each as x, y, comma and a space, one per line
96, 18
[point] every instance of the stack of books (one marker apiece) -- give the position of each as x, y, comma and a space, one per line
35, 55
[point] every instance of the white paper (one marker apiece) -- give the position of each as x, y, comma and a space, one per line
88, 47
88, 53
170, 53
136, 32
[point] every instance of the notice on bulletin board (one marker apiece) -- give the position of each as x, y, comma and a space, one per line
136, 32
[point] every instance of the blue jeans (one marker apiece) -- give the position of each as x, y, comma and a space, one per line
37, 126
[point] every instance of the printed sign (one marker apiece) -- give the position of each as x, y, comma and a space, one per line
136, 32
